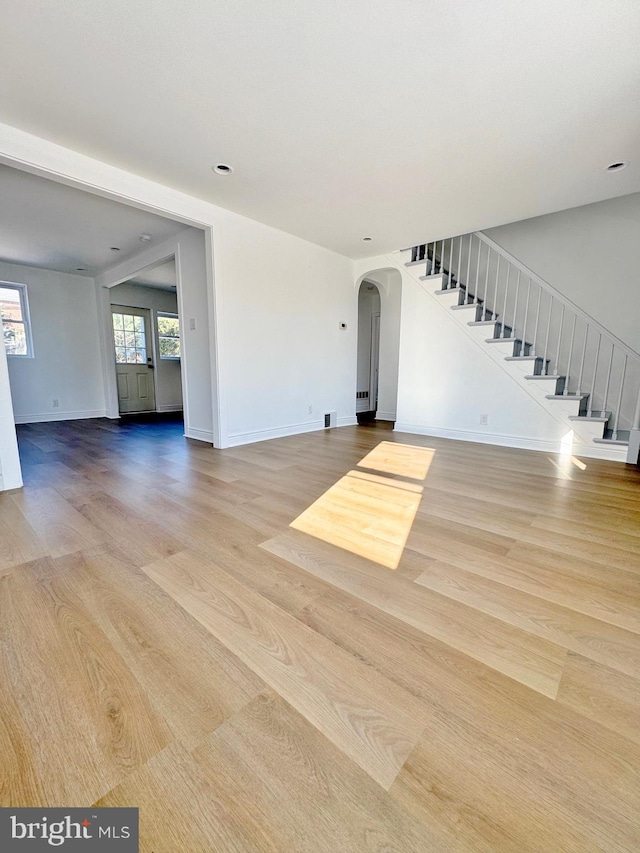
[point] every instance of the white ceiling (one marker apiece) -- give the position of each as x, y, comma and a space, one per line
47, 224
395, 120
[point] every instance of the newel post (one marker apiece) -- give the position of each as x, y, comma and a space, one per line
633, 453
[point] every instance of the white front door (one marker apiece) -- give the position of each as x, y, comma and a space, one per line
134, 359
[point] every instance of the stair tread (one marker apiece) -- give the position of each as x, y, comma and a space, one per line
567, 396
450, 290
522, 357
466, 305
545, 376
415, 263
483, 322
504, 340
593, 418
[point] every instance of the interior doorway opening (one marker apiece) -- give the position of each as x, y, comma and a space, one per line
147, 343
369, 307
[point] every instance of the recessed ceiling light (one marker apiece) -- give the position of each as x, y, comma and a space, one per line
115, 248
367, 239
617, 167
222, 169
145, 238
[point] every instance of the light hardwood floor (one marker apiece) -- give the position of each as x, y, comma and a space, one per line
451, 662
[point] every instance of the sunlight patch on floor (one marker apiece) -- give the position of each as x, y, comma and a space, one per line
565, 459
404, 460
370, 514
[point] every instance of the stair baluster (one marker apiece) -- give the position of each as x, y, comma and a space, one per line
555, 372
616, 414
486, 279
526, 316
495, 295
535, 331
595, 373
515, 316
545, 368
606, 385
504, 309
451, 263
573, 335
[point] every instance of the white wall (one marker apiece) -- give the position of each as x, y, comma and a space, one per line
167, 371
280, 343
589, 254
10, 475
66, 365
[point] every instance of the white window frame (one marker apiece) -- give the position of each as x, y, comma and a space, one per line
26, 317
158, 335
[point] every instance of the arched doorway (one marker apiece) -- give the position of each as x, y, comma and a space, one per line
379, 294
369, 305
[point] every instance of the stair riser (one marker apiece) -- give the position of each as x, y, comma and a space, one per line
450, 298
586, 431
526, 368
432, 282
480, 333
541, 387
504, 348
566, 407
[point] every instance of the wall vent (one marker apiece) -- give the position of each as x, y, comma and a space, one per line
330, 419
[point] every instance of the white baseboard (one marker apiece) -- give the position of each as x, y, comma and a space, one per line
10, 483
170, 408
385, 416
44, 417
279, 432
540, 444
199, 434
347, 421
282, 432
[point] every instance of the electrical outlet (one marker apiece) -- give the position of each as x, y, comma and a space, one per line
55, 404
484, 420
310, 409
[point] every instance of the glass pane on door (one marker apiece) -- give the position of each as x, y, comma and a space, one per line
129, 338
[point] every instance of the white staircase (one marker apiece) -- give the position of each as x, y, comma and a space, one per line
566, 360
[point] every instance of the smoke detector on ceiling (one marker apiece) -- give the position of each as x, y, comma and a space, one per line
145, 238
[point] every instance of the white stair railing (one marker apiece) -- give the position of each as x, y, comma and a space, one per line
557, 336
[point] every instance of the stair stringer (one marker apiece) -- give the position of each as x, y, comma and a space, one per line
437, 340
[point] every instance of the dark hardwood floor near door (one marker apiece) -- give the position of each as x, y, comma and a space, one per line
169, 641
